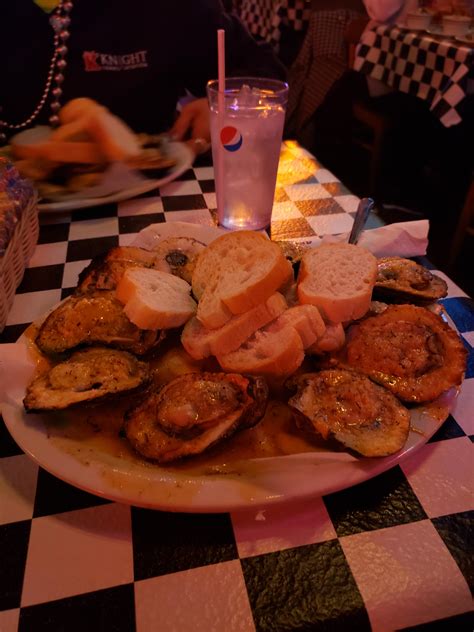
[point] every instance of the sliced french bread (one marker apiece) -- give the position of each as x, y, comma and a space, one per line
307, 321
235, 273
155, 300
274, 350
201, 342
277, 349
337, 278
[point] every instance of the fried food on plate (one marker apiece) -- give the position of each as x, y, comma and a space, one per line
74, 156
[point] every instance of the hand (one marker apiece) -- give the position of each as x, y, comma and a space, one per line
193, 124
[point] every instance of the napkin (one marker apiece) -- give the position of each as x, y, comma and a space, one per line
402, 239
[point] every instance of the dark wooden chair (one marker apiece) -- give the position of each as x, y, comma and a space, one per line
370, 124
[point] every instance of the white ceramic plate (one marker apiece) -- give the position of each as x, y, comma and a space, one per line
95, 466
180, 152
116, 474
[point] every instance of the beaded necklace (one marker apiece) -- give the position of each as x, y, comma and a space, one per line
60, 21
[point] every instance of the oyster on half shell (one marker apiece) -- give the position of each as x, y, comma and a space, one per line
402, 280
91, 319
178, 255
409, 350
104, 272
193, 412
349, 407
89, 375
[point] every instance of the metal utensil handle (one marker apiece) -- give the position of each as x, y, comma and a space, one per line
363, 210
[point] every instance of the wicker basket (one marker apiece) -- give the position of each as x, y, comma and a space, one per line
17, 255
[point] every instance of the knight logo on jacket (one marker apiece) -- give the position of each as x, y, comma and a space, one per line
94, 61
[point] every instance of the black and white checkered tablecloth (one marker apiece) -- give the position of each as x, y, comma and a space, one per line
264, 18
392, 553
433, 68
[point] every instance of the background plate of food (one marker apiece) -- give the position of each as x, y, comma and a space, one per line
164, 382
93, 158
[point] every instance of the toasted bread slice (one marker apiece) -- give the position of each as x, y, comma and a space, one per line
338, 279
235, 273
201, 342
307, 321
154, 299
278, 348
274, 350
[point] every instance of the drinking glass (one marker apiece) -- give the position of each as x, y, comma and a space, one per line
246, 133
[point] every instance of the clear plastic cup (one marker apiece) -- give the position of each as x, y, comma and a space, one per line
246, 141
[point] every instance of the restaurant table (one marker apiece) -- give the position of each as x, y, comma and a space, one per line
392, 553
430, 66
265, 18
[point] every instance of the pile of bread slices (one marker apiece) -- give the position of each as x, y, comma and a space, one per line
251, 313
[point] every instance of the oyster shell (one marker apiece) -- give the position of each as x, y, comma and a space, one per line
351, 408
193, 412
90, 319
408, 349
178, 255
104, 272
89, 375
404, 281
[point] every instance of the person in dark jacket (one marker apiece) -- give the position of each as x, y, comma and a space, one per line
136, 58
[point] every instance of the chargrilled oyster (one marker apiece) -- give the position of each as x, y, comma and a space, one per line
89, 375
404, 281
104, 272
177, 255
352, 409
193, 412
90, 319
409, 350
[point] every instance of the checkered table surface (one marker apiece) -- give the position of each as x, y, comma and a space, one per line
392, 553
264, 18
439, 70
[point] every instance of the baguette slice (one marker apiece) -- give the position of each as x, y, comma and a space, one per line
235, 273
307, 322
201, 342
338, 279
154, 299
277, 349
37, 142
